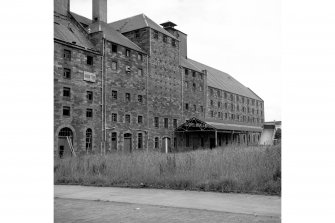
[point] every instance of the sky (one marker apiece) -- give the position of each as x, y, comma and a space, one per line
239, 37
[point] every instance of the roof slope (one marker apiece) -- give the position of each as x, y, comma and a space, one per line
113, 35
187, 64
223, 81
81, 18
138, 22
65, 30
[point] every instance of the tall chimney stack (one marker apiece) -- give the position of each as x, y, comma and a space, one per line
99, 10
62, 6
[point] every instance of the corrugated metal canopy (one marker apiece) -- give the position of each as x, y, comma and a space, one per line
223, 81
234, 127
138, 22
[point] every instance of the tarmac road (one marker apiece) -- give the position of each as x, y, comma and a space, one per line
111, 204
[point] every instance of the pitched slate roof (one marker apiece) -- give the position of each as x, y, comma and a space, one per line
65, 30
81, 18
187, 64
223, 81
138, 22
113, 35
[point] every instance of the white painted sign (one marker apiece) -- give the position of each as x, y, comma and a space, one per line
89, 76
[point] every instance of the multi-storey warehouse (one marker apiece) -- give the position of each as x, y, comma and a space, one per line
130, 85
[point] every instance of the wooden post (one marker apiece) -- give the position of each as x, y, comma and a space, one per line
216, 138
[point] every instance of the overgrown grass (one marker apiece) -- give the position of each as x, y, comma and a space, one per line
232, 169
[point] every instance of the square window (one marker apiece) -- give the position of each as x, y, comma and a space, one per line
127, 53
89, 96
140, 57
114, 65
127, 118
67, 55
89, 113
193, 74
156, 122
114, 48
114, 117
114, 95
89, 60
66, 92
140, 119
166, 123
66, 111
67, 73
140, 98
128, 97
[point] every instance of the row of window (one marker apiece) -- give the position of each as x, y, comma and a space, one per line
127, 118
241, 118
127, 135
165, 38
67, 112
187, 107
166, 123
194, 86
67, 94
238, 98
127, 68
127, 97
232, 108
67, 54
193, 73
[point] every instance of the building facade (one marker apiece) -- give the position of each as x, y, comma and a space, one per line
129, 85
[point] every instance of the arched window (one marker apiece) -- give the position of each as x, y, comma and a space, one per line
64, 132
89, 140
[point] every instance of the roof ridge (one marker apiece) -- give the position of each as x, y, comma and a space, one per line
145, 19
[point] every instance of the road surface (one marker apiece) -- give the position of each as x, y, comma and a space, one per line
111, 204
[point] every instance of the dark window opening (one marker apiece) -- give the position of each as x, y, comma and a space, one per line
114, 117
89, 60
127, 118
156, 122
114, 48
67, 73
194, 87
174, 123
67, 55
128, 97
140, 57
202, 108
193, 74
173, 42
114, 95
140, 98
127, 53
89, 113
156, 142
186, 106
89, 96
166, 123
66, 92
140, 119
140, 141
114, 140
187, 140
137, 34
89, 140
186, 72
156, 34
66, 111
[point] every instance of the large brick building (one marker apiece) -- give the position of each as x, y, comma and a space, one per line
130, 85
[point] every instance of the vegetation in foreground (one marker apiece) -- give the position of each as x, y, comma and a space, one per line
230, 169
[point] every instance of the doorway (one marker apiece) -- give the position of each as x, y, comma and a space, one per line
127, 143
63, 144
167, 145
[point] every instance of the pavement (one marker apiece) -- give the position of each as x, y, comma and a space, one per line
112, 204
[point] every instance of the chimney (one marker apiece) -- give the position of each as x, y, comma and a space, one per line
182, 37
62, 6
99, 10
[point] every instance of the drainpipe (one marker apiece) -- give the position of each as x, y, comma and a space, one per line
105, 89
102, 98
147, 92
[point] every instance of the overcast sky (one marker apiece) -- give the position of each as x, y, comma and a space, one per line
239, 37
